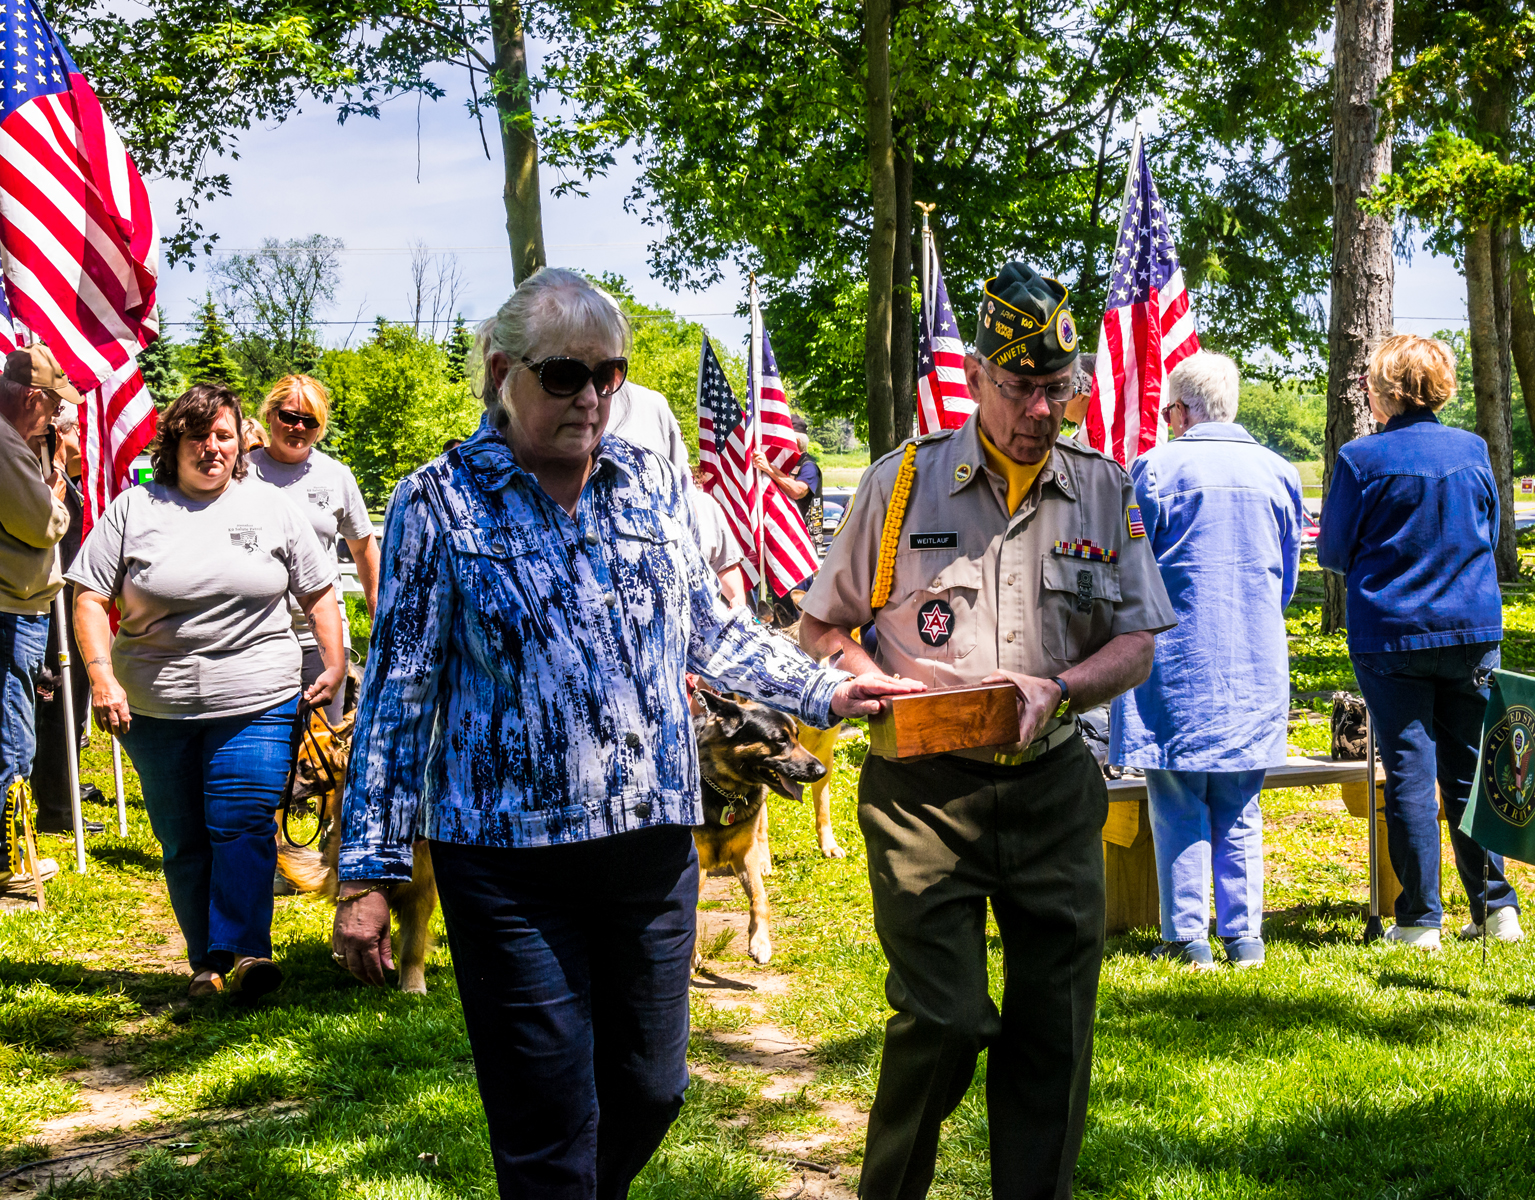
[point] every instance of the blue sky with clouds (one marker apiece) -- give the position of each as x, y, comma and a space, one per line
380, 186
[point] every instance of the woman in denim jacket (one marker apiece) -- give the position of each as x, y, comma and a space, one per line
542, 598
1411, 518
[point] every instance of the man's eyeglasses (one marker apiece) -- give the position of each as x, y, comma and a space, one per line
563, 376
1023, 393
294, 419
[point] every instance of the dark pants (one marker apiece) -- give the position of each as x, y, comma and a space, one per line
50, 770
573, 964
1427, 708
944, 836
211, 788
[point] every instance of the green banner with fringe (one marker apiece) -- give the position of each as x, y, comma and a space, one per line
1501, 815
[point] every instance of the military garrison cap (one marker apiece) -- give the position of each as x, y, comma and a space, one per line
1024, 324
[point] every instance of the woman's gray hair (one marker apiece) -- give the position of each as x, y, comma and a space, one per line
550, 309
1208, 385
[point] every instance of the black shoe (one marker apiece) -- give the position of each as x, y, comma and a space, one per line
91, 794
90, 827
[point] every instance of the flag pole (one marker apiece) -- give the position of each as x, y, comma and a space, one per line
927, 267
117, 781
754, 394
66, 685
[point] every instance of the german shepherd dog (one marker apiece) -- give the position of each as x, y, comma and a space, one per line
746, 750
315, 871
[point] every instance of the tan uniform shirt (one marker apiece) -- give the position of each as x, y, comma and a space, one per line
32, 522
975, 590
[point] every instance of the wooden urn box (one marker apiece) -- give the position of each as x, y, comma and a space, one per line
944, 720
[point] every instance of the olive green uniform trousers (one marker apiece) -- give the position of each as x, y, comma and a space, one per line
945, 835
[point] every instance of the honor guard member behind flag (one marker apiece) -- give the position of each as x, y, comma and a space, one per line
985, 553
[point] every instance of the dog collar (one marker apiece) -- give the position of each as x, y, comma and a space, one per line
734, 800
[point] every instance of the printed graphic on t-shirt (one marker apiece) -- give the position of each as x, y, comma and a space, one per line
247, 537
319, 497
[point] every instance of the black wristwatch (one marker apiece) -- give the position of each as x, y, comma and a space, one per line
1060, 709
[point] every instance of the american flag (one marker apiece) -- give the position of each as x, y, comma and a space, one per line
1148, 328
778, 440
725, 462
943, 396
81, 251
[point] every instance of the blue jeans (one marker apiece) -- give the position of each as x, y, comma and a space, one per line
1202, 820
211, 787
1427, 708
23, 642
573, 964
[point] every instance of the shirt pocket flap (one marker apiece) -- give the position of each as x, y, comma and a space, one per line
922, 571
643, 525
1063, 574
493, 543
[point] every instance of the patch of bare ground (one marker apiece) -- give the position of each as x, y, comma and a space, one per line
815, 1159
109, 1124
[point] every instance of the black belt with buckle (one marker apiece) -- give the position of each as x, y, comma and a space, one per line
1039, 747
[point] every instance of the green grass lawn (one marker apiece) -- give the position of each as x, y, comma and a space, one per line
1336, 1071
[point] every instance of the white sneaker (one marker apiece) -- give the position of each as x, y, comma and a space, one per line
1502, 926
1418, 937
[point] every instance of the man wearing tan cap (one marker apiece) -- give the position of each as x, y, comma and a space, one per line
33, 518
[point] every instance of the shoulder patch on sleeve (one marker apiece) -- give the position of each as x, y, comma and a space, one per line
1133, 521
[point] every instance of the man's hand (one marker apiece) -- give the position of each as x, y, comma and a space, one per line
1037, 700
760, 461
861, 695
58, 485
360, 937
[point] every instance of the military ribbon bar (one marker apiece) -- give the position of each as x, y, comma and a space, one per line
1087, 550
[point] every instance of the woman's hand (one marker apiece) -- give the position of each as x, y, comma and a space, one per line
360, 938
1037, 700
323, 690
108, 700
861, 696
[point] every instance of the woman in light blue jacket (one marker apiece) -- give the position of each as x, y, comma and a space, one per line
1224, 518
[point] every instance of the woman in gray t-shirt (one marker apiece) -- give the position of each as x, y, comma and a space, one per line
296, 411
201, 682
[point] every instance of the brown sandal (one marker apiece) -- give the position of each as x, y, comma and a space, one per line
205, 983
254, 977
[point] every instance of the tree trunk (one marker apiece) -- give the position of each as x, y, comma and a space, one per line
903, 351
519, 144
1362, 267
876, 360
1522, 322
1494, 417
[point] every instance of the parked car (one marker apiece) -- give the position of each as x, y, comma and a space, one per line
1308, 530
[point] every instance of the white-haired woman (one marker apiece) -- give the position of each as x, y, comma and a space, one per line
543, 596
1224, 518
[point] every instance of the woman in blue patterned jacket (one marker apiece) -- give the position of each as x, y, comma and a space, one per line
542, 598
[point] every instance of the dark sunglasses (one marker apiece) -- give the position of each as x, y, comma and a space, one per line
562, 376
288, 417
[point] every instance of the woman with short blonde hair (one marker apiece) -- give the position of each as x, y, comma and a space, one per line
1411, 519
1409, 372
297, 412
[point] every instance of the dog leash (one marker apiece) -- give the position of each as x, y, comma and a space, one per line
302, 729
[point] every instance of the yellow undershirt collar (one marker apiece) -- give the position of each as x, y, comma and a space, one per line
1020, 476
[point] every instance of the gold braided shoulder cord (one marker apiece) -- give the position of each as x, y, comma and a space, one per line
890, 537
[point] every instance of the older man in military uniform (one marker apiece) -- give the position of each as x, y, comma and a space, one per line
987, 553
